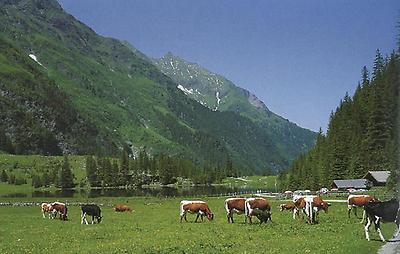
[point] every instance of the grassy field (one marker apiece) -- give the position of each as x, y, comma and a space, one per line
154, 228
262, 182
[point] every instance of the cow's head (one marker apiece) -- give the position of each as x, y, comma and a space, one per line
210, 216
99, 219
324, 206
263, 216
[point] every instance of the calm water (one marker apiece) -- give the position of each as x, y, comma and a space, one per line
154, 192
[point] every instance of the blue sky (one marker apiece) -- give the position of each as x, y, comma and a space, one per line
299, 57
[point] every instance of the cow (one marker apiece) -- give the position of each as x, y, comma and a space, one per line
386, 211
234, 205
199, 207
310, 205
60, 208
46, 208
288, 207
122, 208
92, 210
258, 207
354, 201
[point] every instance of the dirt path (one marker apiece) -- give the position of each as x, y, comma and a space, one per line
392, 247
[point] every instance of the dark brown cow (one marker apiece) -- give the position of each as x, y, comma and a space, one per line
122, 208
60, 208
199, 207
354, 201
288, 207
234, 205
258, 207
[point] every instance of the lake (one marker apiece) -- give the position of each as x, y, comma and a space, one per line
139, 192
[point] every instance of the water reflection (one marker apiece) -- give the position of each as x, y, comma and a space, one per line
153, 192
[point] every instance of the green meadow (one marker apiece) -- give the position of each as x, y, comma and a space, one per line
154, 227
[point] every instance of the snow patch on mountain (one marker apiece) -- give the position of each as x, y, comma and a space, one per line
34, 58
186, 91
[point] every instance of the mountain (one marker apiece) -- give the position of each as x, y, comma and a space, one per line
92, 94
218, 93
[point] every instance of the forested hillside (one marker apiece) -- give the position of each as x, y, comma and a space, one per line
36, 116
362, 134
81, 93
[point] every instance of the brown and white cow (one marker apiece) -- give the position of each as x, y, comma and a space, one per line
196, 207
258, 207
287, 207
47, 208
234, 205
354, 201
60, 208
310, 205
122, 208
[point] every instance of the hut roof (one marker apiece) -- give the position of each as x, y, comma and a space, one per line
351, 183
379, 176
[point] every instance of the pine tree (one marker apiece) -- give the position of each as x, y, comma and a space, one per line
3, 176
36, 181
66, 178
124, 167
91, 172
378, 65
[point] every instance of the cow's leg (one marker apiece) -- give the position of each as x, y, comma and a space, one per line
378, 228
183, 214
229, 217
355, 211
398, 224
250, 220
43, 213
348, 210
197, 217
84, 218
366, 228
294, 213
397, 232
363, 216
92, 219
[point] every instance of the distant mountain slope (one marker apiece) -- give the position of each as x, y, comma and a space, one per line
218, 93
40, 118
124, 97
102, 95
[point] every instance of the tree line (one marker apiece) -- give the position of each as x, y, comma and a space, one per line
129, 170
362, 134
55, 173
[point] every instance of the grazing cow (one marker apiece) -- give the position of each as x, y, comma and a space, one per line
47, 208
92, 210
310, 205
258, 207
234, 205
354, 201
199, 207
60, 208
122, 208
288, 207
387, 211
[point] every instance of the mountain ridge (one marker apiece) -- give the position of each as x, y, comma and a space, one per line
125, 97
219, 93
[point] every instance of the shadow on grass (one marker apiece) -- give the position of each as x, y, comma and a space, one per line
388, 241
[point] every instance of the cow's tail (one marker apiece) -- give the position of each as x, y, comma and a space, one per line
226, 207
